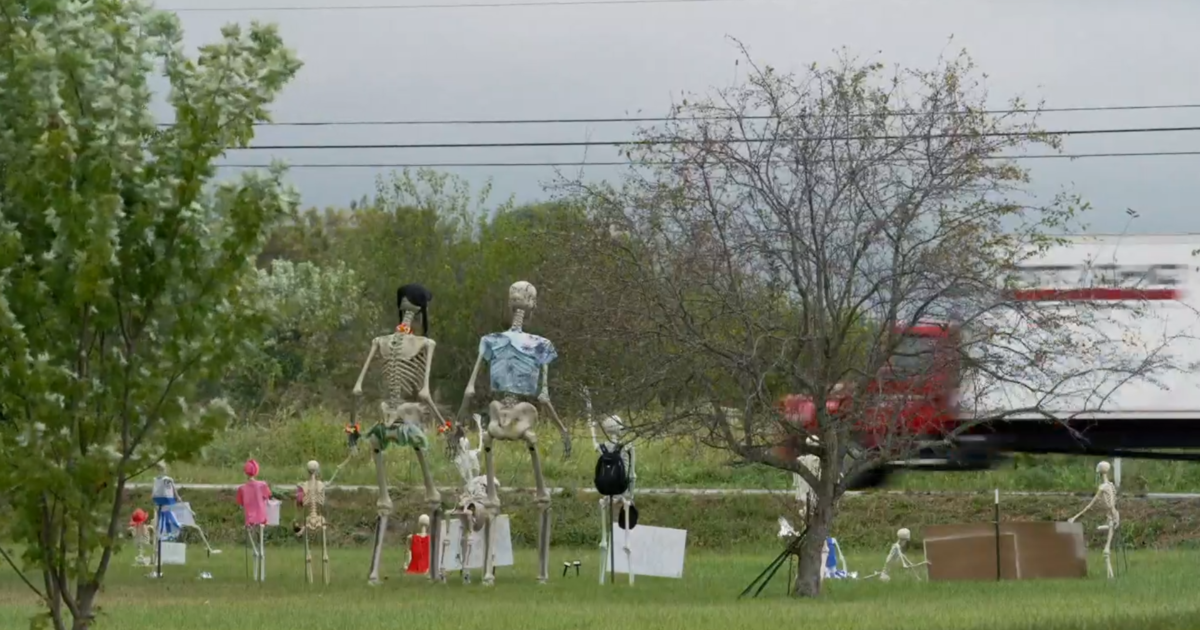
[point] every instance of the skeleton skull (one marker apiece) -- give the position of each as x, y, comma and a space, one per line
613, 428
522, 295
1102, 468
313, 467
903, 534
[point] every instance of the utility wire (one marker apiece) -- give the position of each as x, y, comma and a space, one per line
1048, 156
644, 119
614, 143
428, 6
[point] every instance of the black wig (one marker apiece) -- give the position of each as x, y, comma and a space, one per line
419, 297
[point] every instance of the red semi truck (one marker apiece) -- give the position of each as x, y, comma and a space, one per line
917, 393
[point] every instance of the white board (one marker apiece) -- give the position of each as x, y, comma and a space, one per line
273, 507
173, 553
654, 551
183, 513
452, 534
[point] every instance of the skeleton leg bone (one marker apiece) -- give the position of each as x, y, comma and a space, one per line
1108, 548
605, 519
490, 510
308, 571
383, 506
324, 556
543, 501
262, 554
464, 545
628, 548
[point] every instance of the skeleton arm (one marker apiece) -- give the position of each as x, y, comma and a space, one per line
366, 366
1085, 508
632, 470
469, 393
587, 404
544, 398
424, 395
479, 429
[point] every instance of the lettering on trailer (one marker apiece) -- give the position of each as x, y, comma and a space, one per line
1041, 283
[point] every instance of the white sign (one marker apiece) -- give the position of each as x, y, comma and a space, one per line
452, 539
1087, 276
654, 551
173, 553
183, 513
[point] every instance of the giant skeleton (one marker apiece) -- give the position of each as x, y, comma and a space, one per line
1107, 493
407, 359
613, 431
518, 367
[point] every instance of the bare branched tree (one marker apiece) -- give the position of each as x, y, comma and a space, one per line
852, 237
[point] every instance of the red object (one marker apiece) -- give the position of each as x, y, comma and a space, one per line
139, 516
419, 547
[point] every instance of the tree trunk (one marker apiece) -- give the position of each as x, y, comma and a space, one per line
808, 577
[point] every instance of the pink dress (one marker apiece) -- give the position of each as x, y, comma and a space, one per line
253, 496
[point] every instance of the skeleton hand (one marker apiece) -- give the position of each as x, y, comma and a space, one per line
425, 396
1072, 519
358, 390
544, 397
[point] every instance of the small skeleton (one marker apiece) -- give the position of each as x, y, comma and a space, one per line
473, 498
613, 430
903, 537
139, 529
253, 496
407, 361
1107, 492
311, 496
516, 360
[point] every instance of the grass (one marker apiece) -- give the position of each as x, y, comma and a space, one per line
283, 448
1157, 593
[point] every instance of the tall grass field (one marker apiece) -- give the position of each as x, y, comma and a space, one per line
1158, 592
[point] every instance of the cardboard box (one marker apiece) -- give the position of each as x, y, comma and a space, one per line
1028, 551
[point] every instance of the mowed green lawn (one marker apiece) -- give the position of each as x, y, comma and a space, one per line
1159, 592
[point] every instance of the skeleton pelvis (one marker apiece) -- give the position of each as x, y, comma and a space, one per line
510, 421
403, 412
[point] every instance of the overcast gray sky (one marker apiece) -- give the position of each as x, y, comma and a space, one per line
610, 61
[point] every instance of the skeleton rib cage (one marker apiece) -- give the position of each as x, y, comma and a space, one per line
403, 377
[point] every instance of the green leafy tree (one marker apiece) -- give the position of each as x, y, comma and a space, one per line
315, 313
125, 278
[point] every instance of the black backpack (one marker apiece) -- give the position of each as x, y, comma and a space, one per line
611, 479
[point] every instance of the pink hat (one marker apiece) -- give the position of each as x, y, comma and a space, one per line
251, 468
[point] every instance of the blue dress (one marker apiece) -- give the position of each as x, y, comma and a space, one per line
515, 360
163, 495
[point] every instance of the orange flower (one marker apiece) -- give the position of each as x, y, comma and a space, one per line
404, 329
446, 426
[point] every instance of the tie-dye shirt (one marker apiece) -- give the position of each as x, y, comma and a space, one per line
515, 360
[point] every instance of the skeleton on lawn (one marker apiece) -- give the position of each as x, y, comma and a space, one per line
613, 431
1107, 492
896, 554
310, 495
472, 500
519, 367
407, 360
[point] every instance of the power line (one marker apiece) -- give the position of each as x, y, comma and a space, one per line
614, 143
1048, 156
455, 5
644, 119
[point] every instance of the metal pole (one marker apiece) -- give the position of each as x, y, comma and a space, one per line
997, 505
1117, 472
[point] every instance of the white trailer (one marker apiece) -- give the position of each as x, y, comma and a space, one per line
1137, 298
